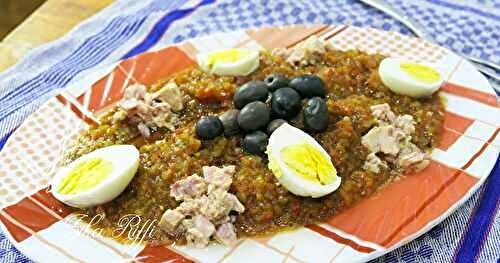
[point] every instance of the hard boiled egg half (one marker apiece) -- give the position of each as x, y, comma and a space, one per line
409, 78
97, 177
300, 164
229, 62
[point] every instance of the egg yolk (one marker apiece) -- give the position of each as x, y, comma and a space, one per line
420, 72
85, 176
230, 55
309, 163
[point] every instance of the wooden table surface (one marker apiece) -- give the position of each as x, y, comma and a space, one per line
49, 22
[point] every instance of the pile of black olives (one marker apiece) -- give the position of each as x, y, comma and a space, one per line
263, 106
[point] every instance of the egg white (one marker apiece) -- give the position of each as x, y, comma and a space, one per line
124, 160
242, 67
403, 83
284, 136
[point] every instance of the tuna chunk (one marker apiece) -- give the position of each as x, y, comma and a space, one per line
172, 95
234, 203
225, 234
188, 188
306, 53
225, 219
314, 45
297, 57
218, 178
412, 158
129, 104
383, 113
405, 123
219, 203
382, 139
281, 52
135, 91
170, 219
150, 110
119, 115
189, 207
392, 137
198, 231
143, 129
205, 206
373, 163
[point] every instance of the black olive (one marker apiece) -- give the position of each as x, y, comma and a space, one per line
209, 127
273, 125
276, 81
255, 90
285, 103
309, 86
253, 116
229, 120
316, 115
255, 142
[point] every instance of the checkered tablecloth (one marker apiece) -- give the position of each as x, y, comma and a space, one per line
130, 27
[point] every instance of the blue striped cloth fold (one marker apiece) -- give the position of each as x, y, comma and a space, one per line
127, 28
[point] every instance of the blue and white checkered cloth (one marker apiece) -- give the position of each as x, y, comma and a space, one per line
129, 27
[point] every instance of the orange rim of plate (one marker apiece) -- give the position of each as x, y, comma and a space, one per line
40, 226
